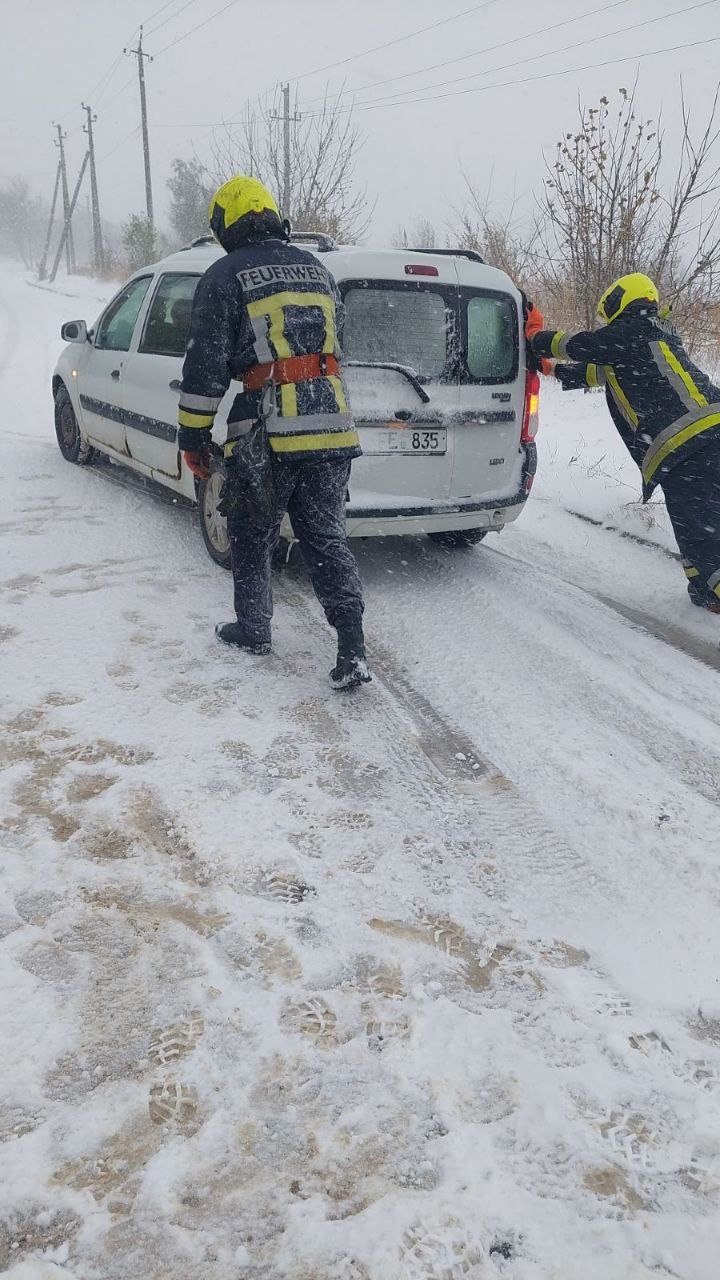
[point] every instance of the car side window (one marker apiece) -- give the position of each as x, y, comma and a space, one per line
115, 330
491, 340
167, 326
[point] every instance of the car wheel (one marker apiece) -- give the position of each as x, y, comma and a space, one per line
72, 446
458, 537
212, 524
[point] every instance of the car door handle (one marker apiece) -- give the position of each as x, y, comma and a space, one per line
175, 385
115, 374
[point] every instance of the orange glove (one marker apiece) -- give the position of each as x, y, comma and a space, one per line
534, 321
198, 461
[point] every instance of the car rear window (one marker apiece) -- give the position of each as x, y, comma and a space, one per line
445, 333
490, 337
398, 326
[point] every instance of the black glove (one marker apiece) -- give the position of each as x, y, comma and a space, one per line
571, 376
249, 490
193, 439
540, 343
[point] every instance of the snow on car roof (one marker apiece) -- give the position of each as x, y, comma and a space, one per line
356, 261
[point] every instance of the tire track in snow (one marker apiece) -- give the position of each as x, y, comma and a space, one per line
529, 852
698, 769
668, 633
550, 879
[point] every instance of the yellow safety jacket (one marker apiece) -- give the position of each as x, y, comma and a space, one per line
267, 301
664, 406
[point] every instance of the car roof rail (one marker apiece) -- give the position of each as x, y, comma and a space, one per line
200, 240
325, 243
472, 254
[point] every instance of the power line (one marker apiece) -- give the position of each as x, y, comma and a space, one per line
397, 99
101, 86
157, 12
407, 99
387, 44
199, 26
121, 90
548, 75
106, 155
492, 48
170, 18
577, 44
99, 89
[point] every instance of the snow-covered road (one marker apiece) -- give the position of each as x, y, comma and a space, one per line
420, 984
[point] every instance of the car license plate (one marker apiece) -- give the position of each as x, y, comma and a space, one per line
408, 440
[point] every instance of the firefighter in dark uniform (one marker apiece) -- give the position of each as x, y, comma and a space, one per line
666, 410
265, 314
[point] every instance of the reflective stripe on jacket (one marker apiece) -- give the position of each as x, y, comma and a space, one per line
664, 406
265, 301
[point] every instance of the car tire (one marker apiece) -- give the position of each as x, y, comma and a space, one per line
455, 538
213, 526
70, 442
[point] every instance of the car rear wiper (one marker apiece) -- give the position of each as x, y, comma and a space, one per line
395, 368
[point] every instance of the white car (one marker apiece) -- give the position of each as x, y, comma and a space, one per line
433, 356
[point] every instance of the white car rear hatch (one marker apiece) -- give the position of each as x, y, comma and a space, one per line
435, 372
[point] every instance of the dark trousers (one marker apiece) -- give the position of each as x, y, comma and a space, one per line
692, 497
313, 494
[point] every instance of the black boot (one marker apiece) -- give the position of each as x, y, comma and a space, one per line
351, 668
232, 633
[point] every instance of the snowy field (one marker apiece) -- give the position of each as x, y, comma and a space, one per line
420, 984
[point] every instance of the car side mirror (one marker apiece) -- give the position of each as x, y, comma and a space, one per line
74, 331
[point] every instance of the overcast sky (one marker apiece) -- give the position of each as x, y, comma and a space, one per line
56, 53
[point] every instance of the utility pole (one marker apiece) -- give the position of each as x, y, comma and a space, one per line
71, 209
43, 261
143, 114
286, 150
287, 120
98, 253
67, 216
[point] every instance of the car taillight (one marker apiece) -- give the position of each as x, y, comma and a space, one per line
420, 269
532, 403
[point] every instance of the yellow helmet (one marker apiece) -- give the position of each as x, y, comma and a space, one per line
632, 288
240, 207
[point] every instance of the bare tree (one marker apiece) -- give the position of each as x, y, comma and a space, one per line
324, 147
190, 194
687, 261
419, 235
23, 219
499, 238
608, 209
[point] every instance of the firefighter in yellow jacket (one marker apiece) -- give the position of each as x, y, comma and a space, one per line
666, 410
265, 314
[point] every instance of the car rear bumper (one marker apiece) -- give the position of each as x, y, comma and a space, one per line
363, 525
380, 519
